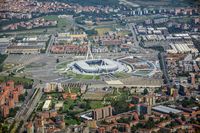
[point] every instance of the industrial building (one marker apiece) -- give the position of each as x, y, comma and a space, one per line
165, 109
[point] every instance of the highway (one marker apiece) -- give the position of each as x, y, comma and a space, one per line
164, 67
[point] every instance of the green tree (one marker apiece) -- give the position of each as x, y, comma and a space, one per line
26, 93
139, 125
183, 117
21, 98
57, 60
91, 32
172, 115
141, 117
4, 128
145, 92
120, 105
150, 123
1, 117
133, 129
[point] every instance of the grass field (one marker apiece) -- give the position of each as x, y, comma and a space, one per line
96, 104
82, 76
73, 90
102, 31
123, 33
62, 65
36, 65
71, 121
8, 66
62, 22
121, 75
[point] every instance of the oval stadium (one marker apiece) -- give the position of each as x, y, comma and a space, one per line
96, 66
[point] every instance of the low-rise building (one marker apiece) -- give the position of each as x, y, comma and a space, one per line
46, 105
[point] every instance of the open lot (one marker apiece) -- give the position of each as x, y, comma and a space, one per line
103, 30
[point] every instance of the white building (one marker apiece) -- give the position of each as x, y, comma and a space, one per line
46, 105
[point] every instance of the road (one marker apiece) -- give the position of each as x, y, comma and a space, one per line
164, 68
27, 100
51, 41
28, 106
133, 31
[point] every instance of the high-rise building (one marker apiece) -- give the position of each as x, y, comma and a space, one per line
143, 109
30, 128
192, 75
5, 111
102, 113
150, 100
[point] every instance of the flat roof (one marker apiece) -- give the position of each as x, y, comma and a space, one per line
165, 109
114, 82
46, 104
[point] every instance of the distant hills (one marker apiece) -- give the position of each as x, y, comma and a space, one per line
89, 2
140, 2
166, 2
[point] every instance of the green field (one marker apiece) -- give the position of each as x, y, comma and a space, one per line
73, 90
96, 104
123, 33
62, 22
102, 31
62, 65
82, 76
36, 65
121, 75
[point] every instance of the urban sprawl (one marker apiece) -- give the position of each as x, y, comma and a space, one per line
99, 67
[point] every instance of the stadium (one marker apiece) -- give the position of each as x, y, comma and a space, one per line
96, 66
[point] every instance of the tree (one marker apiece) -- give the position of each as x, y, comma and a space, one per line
57, 60
150, 123
120, 105
172, 115
134, 101
26, 93
12, 112
91, 32
139, 125
4, 128
183, 117
1, 117
21, 97
145, 92
141, 117
133, 129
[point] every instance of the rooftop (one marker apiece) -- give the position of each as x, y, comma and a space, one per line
165, 109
